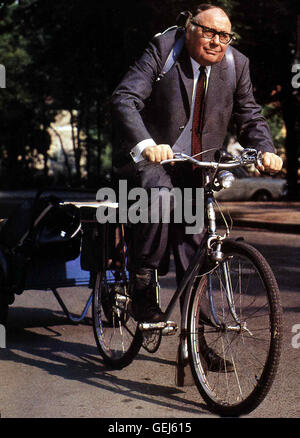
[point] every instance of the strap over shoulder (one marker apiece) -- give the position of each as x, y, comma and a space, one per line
176, 50
231, 67
172, 57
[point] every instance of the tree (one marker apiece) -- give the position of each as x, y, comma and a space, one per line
70, 54
267, 30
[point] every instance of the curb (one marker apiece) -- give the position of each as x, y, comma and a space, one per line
267, 226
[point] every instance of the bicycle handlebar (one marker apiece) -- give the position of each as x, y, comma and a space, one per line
248, 156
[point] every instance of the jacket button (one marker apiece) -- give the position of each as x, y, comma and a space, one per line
181, 128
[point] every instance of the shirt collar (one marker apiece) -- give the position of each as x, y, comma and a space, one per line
196, 67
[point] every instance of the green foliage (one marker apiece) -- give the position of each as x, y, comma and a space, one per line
69, 55
274, 118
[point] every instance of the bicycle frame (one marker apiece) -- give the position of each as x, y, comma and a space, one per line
223, 280
194, 269
211, 246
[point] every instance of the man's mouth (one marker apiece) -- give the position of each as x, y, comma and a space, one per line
211, 52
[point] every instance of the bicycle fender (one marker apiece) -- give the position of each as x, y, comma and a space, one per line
184, 321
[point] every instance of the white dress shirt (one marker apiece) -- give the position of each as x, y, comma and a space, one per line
184, 141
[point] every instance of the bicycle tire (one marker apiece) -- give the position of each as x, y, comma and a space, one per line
117, 335
257, 302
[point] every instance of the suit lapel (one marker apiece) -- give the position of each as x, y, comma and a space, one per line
217, 82
184, 67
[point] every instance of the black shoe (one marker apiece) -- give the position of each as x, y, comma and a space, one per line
146, 309
215, 363
143, 291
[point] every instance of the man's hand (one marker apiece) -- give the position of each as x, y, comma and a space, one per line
270, 163
158, 153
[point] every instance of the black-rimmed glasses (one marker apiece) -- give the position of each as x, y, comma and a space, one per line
207, 32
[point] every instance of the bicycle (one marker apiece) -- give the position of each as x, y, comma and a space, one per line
242, 322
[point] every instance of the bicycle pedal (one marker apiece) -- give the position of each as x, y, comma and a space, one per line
167, 328
145, 326
170, 329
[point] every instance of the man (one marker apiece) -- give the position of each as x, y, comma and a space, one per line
154, 117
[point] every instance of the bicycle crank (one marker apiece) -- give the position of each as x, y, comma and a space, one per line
167, 328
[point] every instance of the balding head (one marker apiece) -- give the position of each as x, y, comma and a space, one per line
207, 51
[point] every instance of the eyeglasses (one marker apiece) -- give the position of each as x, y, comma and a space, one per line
207, 32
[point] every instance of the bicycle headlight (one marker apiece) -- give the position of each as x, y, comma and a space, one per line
225, 179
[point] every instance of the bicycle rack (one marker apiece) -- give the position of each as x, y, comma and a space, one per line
69, 315
51, 276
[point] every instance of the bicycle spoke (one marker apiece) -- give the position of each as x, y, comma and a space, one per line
240, 345
116, 332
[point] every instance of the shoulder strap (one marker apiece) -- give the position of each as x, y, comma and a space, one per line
173, 55
231, 68
176, 50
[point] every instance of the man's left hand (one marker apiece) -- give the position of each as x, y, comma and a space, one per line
270, 163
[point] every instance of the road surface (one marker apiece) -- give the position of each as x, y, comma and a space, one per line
52, 369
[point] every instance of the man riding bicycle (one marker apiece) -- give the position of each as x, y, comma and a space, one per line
186, 110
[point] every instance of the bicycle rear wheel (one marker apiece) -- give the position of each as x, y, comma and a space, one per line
248, 333
116, 333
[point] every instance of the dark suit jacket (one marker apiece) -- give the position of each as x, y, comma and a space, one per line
145, 108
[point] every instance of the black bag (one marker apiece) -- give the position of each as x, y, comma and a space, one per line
43, 228
58, 233
102, 244
93, 240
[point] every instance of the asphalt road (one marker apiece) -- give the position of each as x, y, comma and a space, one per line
52, 369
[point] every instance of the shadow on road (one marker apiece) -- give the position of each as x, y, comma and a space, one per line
81, 362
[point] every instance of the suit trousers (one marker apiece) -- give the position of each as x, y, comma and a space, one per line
152, 241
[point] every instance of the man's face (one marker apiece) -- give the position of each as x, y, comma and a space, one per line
202, 50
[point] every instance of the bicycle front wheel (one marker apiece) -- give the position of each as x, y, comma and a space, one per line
234, 360
116, 332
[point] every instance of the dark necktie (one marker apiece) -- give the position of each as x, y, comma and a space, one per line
198, 115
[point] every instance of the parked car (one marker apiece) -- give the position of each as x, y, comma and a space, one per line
247, 187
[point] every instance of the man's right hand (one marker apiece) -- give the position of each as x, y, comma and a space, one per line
158, 153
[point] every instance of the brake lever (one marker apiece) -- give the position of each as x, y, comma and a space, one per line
178, 156
251, 156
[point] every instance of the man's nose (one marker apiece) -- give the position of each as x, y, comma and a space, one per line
216, 39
